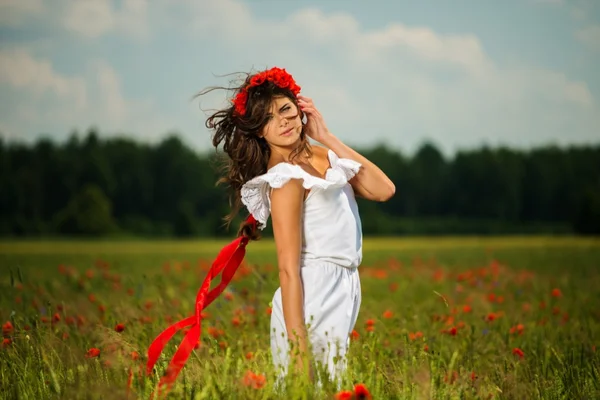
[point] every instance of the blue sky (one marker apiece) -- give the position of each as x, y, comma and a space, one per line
458, 73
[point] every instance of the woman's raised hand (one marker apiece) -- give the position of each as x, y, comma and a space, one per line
315, 124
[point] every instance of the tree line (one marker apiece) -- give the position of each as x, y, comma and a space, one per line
117, 186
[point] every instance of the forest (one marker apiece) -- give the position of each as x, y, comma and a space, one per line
94, 186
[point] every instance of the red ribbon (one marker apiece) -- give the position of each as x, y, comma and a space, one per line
228, 260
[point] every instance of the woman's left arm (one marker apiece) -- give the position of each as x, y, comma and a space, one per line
371, 182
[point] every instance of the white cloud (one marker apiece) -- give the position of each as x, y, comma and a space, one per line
14, 12
95, 18
397, 83
23, 72
36, 95
589, 36
403, 82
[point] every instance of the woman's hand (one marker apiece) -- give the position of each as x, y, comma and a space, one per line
315, 124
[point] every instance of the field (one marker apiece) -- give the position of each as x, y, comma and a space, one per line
441, 318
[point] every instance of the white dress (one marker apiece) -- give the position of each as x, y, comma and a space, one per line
331, 253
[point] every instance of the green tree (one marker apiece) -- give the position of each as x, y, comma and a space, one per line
88, 213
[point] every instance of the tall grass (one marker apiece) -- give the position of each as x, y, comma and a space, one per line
441, 318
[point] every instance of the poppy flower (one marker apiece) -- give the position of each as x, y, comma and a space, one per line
7, 328
361, 392
93, 352
518, 352
344, 395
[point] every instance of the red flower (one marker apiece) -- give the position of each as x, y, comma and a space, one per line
556, 292
354, 335
518, 352
361, 392
120, 328
6, 342
255, 381
388, 314
277, 76
93, 352
344, 395
7, 328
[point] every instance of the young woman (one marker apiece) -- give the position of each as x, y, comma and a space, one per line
309, 193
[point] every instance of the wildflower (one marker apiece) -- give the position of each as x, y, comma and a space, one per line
354, 335
7, 328
56, 317
451, 378
119, 328
518, 352
235, 321
249, 355
452, 331
555, 310
361, 392
255, 381
517, 329
467, 309
388, 314
6, 342
344, 395
93, 352
415, 335
134, 355
556, 292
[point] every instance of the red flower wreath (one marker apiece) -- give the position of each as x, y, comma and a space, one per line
276, 75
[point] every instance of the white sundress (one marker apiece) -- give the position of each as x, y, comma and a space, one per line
330, 256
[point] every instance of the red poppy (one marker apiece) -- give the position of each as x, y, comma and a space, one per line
361, 392
93, 352
255, 381
120, 328
518, 352
344, 395
7, 328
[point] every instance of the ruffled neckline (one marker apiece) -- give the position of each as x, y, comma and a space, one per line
255, 192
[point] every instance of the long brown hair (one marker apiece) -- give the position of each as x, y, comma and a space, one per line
248, 153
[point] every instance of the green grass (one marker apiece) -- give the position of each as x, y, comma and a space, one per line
426, 284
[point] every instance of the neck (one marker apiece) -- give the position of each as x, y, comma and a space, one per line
279, 153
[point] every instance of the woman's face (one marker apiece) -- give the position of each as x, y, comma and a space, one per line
285, 124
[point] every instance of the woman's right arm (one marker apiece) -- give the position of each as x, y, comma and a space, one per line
286, 217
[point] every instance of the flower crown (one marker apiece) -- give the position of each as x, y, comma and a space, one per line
276, 75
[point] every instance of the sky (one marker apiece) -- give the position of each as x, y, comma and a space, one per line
459, 74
